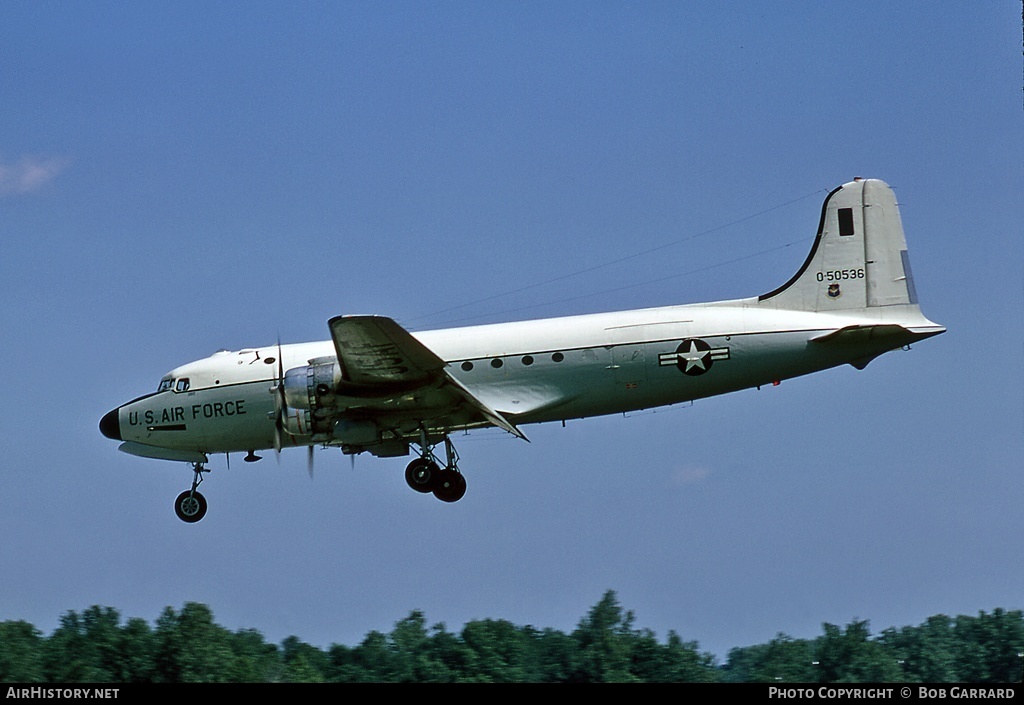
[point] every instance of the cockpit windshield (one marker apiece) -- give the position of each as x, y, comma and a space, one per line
165, 384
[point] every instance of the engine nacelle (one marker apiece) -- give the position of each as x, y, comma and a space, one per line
314, 386
310, 395
297, 422
313, 410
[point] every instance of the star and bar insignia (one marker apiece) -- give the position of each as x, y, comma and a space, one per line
693, 356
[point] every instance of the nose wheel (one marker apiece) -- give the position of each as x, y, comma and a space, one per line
425, 475
190, 506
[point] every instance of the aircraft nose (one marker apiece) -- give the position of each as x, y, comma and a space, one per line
110, 425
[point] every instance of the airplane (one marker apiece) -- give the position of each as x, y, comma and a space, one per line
376, 387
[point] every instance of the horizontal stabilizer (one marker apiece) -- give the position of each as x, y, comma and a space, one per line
875, 339
882, 332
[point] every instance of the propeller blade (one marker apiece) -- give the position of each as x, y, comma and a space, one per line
280, 407
279, 403
280, 366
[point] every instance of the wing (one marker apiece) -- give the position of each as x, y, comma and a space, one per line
395, 376
374, 351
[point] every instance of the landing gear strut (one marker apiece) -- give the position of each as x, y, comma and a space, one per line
425, 475
190, 506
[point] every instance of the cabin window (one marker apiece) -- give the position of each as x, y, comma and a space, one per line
496, 363
182, 385
558, 357
527, 359
467, 366
845, 222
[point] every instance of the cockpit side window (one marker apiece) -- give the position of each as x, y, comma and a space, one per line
182, 385
165, 384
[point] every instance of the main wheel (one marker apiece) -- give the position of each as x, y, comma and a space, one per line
451, 486
190, 506
421, 475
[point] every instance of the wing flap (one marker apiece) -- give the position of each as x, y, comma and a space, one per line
495, 417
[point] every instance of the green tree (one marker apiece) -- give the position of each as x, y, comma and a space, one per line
742, 662
449, 651
21, 653
788, 660
988, 646
558, 656
88, 648
413, 649
407, 642
134, 660
373, 661
254, 660
500, 652
605, 638
927, 653
190, 648
408, 654
676, 661
851, 657
343, 665
187, 646
783, 659
303, 663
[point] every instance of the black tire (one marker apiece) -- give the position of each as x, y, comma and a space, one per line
451, 486
190, 506
421, 475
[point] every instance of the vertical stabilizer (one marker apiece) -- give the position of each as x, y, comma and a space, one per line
859, 258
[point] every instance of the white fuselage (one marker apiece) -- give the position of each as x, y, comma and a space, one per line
531, 371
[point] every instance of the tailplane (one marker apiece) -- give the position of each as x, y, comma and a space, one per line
859, 258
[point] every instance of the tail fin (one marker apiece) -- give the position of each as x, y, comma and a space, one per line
859, 259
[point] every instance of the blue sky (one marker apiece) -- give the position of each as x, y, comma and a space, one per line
180, 178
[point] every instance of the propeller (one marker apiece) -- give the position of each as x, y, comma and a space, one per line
279, 404
280, 407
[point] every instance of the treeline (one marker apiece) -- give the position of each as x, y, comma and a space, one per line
606, 646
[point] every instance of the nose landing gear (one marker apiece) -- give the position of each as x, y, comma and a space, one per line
425, 475
190, 506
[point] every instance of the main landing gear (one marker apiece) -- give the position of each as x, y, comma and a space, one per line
190, 506
425, 475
